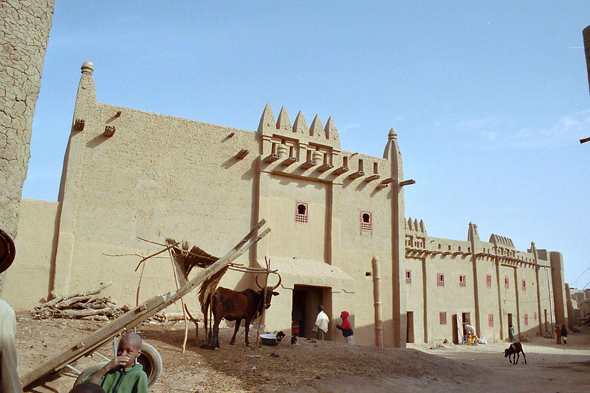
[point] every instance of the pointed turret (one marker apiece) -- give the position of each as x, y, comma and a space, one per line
300, 127
391, 140
472, 233
86, 96
422, 227
267, 122
283, 122
316, 130
330, 130
533, 251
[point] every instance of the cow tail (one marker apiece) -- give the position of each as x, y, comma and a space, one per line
210, 311
205, 312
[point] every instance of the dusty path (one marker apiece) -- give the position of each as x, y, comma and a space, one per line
320, 366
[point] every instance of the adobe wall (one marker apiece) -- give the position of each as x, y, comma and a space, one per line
130, 175
24, 33
304, 164
29, 280
491, 283
156, 177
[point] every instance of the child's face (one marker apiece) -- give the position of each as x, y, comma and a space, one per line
129, 349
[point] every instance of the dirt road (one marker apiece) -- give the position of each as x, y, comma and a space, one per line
312, 366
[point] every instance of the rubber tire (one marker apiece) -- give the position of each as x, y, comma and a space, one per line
150, 359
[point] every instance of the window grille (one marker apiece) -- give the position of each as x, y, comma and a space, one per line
462, 280
301, 212
366, 221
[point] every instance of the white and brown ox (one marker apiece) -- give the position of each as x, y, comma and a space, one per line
235, 306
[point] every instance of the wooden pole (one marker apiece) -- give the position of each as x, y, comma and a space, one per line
139, 313
263, 301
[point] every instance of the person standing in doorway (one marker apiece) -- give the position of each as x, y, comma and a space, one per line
321, 323
511, 332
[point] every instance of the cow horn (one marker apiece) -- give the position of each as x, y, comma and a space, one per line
273, 288
279, 283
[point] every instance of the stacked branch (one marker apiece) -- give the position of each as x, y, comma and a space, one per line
82, 305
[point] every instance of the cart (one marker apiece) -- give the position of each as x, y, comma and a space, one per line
139, 314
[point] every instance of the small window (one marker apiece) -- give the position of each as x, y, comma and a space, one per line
506, 282
526, 320
443, 318
488, 280
440, 279
366, 221
524, 285
408, 276
491, 320
301, 213
462, 280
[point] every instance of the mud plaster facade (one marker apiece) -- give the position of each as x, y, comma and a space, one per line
130, 174
489, 285
24, 33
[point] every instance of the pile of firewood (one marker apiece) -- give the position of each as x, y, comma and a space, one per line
81, 305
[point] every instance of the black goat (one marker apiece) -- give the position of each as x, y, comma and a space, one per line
514, 351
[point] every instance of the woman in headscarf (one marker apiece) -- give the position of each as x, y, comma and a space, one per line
346, 328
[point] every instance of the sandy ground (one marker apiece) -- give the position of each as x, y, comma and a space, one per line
312, 366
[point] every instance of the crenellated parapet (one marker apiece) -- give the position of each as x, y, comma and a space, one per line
415, 234
313, 151
314, 137
419, 245
503, 246
314, 146
501, 241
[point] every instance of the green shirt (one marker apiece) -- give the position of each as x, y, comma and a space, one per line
133, 380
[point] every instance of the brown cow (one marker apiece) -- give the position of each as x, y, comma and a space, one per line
235, 306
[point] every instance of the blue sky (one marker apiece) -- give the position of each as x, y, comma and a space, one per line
489, 98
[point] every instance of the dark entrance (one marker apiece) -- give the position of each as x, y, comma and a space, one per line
306, 300
410, 327
466, 320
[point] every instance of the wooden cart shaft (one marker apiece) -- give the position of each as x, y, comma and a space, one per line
140, 313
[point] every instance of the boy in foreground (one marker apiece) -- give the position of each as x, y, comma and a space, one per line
122, 375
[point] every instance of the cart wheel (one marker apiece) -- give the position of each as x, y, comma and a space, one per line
90, 370
151, 361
